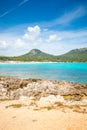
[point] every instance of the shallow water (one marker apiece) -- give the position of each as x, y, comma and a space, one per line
73, 72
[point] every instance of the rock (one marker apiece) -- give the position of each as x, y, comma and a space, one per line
23, 97
50, 100
84, 101
60, 99
15, 88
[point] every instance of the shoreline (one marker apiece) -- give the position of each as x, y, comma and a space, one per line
32, 62
20, 62
36, 78
35, 104
33, 87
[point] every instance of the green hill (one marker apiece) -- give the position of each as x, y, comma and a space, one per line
36, 55
77, 55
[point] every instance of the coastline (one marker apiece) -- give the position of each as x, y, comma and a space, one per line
32, 62
37, 104
21, 62
45, 87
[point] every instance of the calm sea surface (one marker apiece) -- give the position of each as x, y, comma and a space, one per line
74, 72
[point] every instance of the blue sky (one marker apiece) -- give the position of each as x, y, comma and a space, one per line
53, 26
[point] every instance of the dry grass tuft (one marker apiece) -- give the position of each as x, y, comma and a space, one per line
5, 99
59, 104
15, 106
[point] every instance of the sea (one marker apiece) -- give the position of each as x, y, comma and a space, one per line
72, 72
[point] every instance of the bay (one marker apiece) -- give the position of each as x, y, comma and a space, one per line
73, 72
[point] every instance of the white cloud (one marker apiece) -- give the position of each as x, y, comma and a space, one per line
14, 8
67, 17
53, 42
53, 38
23, 2
3, 45
74, 14
5, 13
19, 43
32, 33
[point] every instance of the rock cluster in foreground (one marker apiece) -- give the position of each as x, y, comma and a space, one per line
43, 90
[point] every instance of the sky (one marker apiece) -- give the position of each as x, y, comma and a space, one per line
53, 26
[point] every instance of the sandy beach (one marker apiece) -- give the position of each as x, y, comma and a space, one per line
30, 62
36, 104
26, 118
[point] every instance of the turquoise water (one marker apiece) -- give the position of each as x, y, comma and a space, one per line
74, 72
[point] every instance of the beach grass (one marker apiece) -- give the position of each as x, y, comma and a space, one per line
15, 106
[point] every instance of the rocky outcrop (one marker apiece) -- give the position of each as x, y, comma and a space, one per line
50, 100
14, 88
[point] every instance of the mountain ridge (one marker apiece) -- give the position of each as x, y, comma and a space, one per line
75, 55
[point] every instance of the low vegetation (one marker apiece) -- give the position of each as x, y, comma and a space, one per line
77, 55
5, 99
15, 105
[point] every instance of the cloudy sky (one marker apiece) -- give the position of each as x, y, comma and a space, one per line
53, 26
